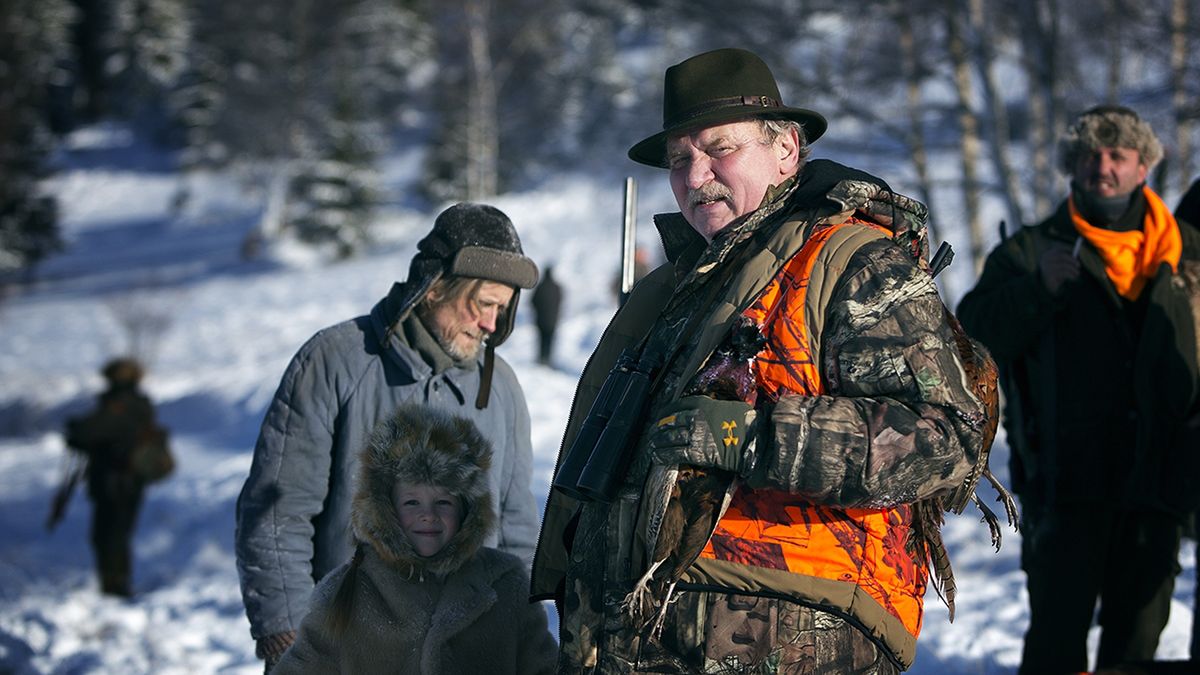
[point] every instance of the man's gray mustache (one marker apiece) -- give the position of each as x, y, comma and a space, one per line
710, 192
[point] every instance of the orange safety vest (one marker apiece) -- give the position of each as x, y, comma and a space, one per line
779, 530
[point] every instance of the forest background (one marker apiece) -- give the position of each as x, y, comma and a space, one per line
205, 183
956, 102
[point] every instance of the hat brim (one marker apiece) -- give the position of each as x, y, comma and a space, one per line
653, 150
503, 267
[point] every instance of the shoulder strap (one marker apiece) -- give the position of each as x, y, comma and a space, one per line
829, 264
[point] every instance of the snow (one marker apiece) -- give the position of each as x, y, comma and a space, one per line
218, 331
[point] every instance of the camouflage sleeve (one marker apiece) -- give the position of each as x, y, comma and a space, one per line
1008, 307
899, 422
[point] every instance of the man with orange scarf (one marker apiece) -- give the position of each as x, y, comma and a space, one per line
1090, 315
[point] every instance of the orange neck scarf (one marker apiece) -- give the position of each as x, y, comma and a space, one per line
1130, 258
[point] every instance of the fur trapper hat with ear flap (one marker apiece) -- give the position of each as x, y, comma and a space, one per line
426, 446
1112, 126
468, 240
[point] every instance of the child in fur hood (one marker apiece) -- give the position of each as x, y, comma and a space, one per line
421, 595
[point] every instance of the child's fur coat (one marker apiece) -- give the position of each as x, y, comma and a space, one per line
462, 610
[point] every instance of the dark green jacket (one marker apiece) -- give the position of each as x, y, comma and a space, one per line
1098, 389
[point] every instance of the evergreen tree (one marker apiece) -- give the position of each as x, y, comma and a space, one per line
92, 42
33, 46
294, 90
504, 83
195, 104
152, 38
128, 55
332, 198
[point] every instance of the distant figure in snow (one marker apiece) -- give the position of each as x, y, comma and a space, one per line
1090, 315
547, 300
432, 339
423, 594
108, 437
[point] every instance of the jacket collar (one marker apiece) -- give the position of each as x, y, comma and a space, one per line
397, 328
416, 335
811, 189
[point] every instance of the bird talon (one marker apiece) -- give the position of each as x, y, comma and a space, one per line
640, 598
656, 629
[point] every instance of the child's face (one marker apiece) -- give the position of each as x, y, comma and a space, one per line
430, 515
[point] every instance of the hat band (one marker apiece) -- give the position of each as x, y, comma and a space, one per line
761, 101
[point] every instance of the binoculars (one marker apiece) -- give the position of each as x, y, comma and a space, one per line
593, 467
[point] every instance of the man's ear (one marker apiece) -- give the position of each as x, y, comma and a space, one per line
787, 149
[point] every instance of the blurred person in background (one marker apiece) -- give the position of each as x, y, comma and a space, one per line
1089, 313
109, 437
547, 303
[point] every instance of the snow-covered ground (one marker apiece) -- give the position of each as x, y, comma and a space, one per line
219, 330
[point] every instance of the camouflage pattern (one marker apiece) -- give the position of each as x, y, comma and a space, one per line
899, 412
895, 386
726, 634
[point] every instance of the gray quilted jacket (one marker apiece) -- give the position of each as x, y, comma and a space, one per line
293, 512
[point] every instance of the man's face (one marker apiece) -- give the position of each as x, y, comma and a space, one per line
461, 324
721, 173
1110, 171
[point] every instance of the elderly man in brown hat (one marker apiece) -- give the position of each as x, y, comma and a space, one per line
748, 488
1090, 313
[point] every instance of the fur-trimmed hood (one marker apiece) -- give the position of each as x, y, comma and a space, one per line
423, 445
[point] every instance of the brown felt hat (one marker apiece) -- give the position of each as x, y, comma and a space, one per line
718, 87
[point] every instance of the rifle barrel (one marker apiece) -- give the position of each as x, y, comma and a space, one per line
628, 237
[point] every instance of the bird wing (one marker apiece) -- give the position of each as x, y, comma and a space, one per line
657, 494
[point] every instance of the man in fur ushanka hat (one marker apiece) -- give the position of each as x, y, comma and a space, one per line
431, 340
422, 593
1090, 312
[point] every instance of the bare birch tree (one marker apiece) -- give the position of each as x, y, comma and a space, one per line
968, 127
482, 135
1040, 58
913, 79
1183, 105
995, 110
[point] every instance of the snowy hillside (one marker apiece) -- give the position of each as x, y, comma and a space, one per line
220, 330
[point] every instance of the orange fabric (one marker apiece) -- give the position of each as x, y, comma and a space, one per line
1130, 258
779, 530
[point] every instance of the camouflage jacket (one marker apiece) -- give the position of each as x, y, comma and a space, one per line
885, 435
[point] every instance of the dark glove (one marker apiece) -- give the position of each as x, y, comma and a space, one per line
702, 431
